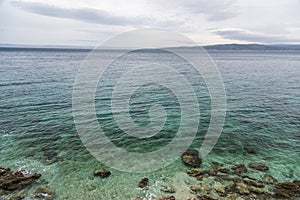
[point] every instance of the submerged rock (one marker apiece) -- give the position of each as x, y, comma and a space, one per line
219, 188
253, 182
195, 172
44, 193
11, 180
269, 179
250, 149
191, 158
103, 173
166, 198
258, 166
239, 169
168, 188
287, 189
225, 170
143, 182
201, 196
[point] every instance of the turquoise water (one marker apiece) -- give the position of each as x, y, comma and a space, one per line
263, 110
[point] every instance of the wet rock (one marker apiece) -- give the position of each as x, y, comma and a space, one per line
288, 188
250, 149
269, 179
255, 189
280, 194
195, 189
225, 170
211, 172
168, 188
11, 180
195, 172
206, 187
219, 188
44, 193
201, 196
252, 182
258, 166
239, 169
166, 198
143, 182
224, 176
241, 188
102, 173
191, 158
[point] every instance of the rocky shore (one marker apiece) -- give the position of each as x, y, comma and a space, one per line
219, 181
231, 183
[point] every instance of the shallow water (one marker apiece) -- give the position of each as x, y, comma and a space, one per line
263, 110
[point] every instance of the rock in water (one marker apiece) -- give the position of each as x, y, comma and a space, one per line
103, 173
144, 182
287, 189
259, 166
166, 198
191, 158
44, 193
269, 179
168, 188
11, 180
239, 169
250, 150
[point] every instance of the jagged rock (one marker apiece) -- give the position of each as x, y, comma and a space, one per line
206, 197
219, 188
225, 170
269, 179
195, 172
143, 182
191, 158
166, 198
239, 169
103, 173
250, 149
11, 180
168, 188
258, 166
252, 182
44, 193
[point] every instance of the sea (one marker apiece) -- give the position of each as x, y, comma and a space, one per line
38, 133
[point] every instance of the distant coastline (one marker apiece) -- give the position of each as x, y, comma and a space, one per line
264, 47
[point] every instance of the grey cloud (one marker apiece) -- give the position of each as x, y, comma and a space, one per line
89, 15
243, 35
213, 10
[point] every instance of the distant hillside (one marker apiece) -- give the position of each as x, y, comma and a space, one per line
252, 47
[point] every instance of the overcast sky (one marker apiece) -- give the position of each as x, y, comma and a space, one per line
89, 22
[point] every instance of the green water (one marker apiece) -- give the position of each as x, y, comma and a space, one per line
263, 111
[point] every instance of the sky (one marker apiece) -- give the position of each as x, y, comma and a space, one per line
90, 22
